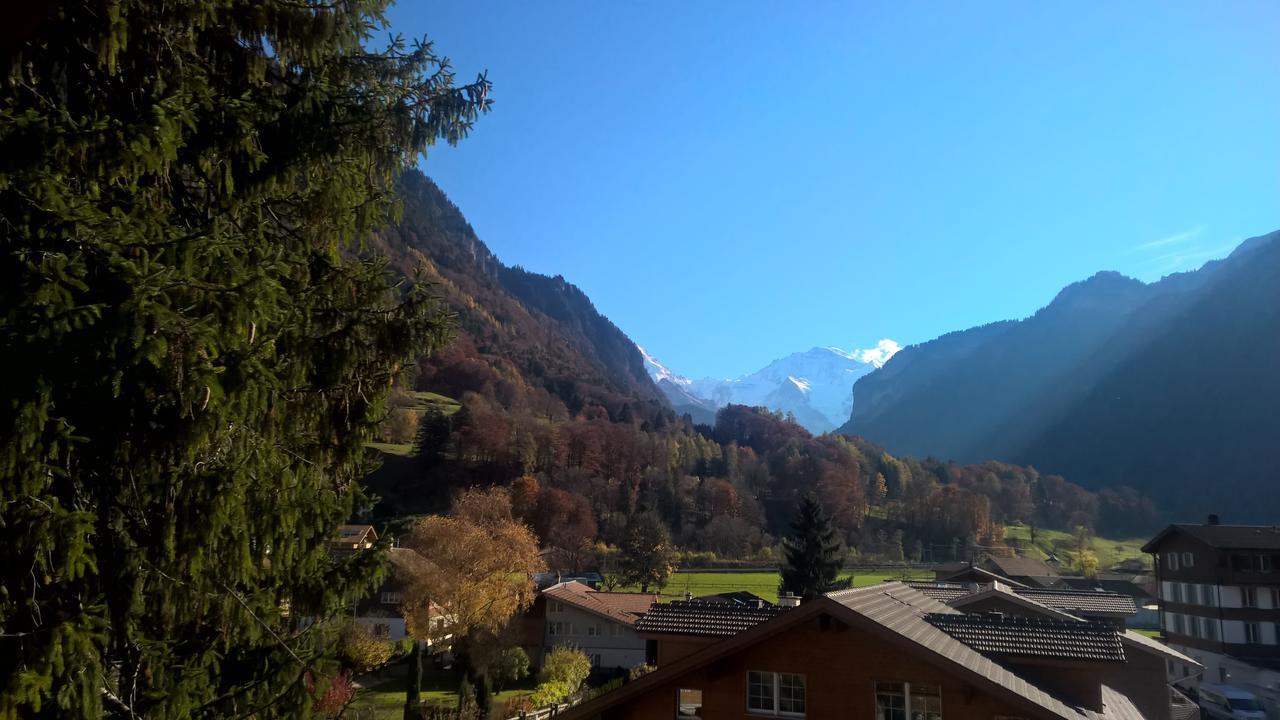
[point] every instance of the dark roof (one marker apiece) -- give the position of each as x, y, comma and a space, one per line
1017, 567
941, 591
1010, 636
1086, 602
736, 597
1224, 537
701, 617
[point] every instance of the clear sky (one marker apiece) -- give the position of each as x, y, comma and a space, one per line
734, 181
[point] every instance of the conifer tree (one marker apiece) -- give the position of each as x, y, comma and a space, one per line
812, 553
194, 350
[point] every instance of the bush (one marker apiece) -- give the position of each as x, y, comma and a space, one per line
640, 671
512, 666
338, 694
361, 651
566, 665
549, 692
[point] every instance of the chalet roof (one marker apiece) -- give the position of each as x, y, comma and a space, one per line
898, 614
1223, 537
625, 608
972, 573
1017, 567
941, 591
351, 538
735, 597
355, 533
1139, 641
1082, 602
1014, 636
1010, 596
705, 618
1093, 603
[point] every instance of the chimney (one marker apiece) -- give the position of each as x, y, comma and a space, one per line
1213, 519
789, 600
759, 603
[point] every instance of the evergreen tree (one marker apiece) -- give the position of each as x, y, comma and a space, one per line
195, 352
812, 553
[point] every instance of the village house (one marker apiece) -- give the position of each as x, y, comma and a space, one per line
1219, 597
601, 624
891, 652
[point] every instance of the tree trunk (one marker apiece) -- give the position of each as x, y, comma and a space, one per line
413, 684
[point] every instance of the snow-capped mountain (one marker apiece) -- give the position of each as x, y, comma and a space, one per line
816, 386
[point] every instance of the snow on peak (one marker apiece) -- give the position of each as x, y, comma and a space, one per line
801, 384
660, 372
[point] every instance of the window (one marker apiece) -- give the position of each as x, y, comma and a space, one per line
391, 598
1248, 597
1178, 625
381, 630
615, 629
1188, 560
555, 606
1275, 597
560, 628
775, 693
1210, 629
1208, 596
689, 703
1195, 625
1173, 560
905, 701
594, 630
1252, 633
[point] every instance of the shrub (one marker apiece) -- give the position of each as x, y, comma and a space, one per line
566, 665
512, 666
551, 691
516, 705
640, 671
337, 695
361, 651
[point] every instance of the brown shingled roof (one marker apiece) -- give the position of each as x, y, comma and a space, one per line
1013, 636
625, 608
1087, 602
700, 617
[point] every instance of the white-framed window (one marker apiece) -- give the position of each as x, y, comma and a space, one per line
773, 693
1179, 626
908, 701
1172, 560
1188, 560
555, 606
1275, 597
1249, 597
616, 631
1208, 595
1195, 625
559, 628
1210, 629
392, 598
1252, 633
594, 630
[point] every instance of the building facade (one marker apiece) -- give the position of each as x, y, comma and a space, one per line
601, 624
1219, 598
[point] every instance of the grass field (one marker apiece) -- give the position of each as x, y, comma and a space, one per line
1111, 552
764, 584
382, 697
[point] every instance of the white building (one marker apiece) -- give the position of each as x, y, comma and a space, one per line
601, 624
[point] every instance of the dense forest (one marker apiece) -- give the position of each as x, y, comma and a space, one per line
551, 400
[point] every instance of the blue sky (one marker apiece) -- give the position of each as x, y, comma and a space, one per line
731, 182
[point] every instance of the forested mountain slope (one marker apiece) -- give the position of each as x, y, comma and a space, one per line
1169, 387
519, 333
